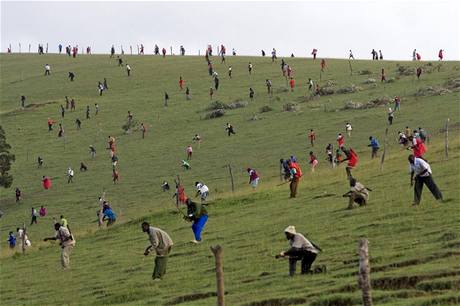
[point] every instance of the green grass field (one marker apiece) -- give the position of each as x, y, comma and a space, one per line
415, 251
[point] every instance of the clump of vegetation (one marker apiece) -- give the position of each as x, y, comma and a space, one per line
370, 81
215, 114
364, 72
432, 91
349, 89
265, 109
290, 107
129, 125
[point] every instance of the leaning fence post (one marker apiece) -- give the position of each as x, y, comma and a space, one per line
384, 149
231, 177
217, 251
446, 144
23, 238
364, 281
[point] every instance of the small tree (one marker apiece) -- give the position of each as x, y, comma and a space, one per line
6, 158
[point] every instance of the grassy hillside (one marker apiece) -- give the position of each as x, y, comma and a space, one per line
414, 251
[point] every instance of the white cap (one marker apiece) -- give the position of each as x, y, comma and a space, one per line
290, 229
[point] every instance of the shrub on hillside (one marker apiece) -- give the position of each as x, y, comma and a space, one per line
364, 72
370, 81
265, 109
290, 107
454, 84
215, 114
349, 89
325, 91
432, 91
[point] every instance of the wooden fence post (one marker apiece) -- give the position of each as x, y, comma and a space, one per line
24, 238
217, 251
384, 149
231, 177
364, 281
446, 144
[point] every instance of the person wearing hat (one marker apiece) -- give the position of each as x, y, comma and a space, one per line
301, 249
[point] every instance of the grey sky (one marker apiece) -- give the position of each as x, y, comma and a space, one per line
395, 27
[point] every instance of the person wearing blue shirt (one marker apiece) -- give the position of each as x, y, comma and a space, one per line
11, 240
374, 145
110, 216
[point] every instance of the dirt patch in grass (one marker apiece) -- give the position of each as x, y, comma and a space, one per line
405, 282
413, 262
335, 301
191, 297
279, 302
451, 300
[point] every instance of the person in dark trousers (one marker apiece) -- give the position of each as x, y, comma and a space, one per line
419, 73
83, 167
251, 93
71, 76
100, 88
390, 116
62, 111
87, 111
23, 101
421, 174
106, 87
230, 129
34, 215
216, 83
18, 194
197, 214
374, 144
300, 249
39, 162
78, 123
166, 99
162, 244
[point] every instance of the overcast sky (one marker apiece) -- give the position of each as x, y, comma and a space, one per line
333, 27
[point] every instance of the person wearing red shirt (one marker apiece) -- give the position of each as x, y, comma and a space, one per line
313, 161
418, 147
181, 83
340, 140
352, 158
292, 84
46, 182
323, 64
296, 174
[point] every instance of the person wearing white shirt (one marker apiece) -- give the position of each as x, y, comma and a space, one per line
128, 69
47, 69
420, 173
202, 191
70, 174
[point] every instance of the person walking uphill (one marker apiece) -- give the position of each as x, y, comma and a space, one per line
300, 249
374, 144
422, 172
66, 241
197, 214
162, 244
295, 175
253, 178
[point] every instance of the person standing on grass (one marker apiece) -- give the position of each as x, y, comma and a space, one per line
109, 215
390, 116
72, 104
128, 69
357, 194
71, 76
18, 194
229, 129
340, 140
330, 154
189, 151
397, 103
47, 69
100, 88
419, 73
105, 85
50, 124
351, 56
380, 55
66, 241
295, 175
181, 83
323, 65
352, 158
197, 214
23, 101
92, 151
162, 245
441, 54
310, 84
115, 176
312, 137
253, 178
166, 99
143, 130
188, 97
87, 111
230, 72
313, 161
420, 173
300, 249
314, 52
20, 235
382, 76
250, 68
61, 130
268, 83
70, 174
11, 240
251, 93
42, 211
418, 146
202, 191
211, 93
291, 84
39, 162
33, 215
46, 182
62, 111
374, 144
348, 129
216, 82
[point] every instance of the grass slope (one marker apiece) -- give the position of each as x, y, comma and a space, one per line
414, 251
